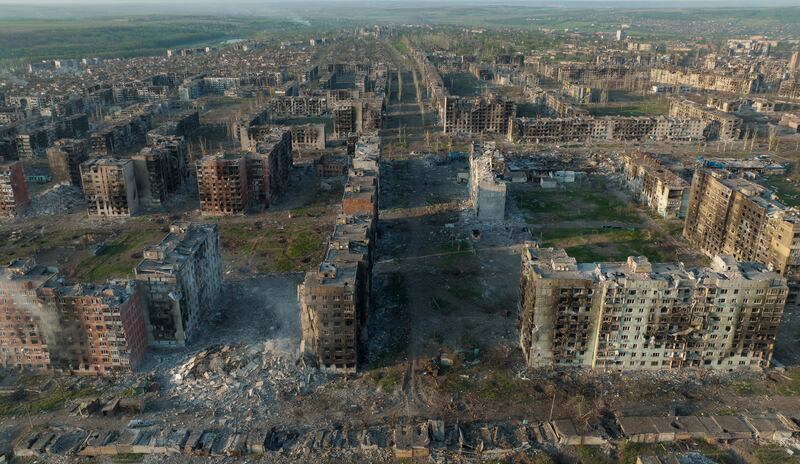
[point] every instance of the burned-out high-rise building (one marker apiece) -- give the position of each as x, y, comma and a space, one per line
334, 298
179, 280
734, 216
637, 315
14, 197
65, 158
109, 186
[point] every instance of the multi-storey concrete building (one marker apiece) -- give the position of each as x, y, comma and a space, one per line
707, 80
109, 186
81, 329
29, 322
334, 299
107, 328
722, 126
308, 137
487, 193
733, 216
590, 129
655, 186
14, 197
269, 167
65, 158
478, 115
222, 184
158, 172
638, 315
179, 281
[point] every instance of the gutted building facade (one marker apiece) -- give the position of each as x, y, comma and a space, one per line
179, 281
109, 186
487, 193
637, 315
14, 197
334, 298
655, 186
83, 329
65, 158
734, 216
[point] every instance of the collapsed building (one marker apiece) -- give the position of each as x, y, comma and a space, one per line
588, 129
14, 197
82, 329
487, 193
334, 298
158, 172
655, 186
65, 158
637, 315
179, 281
734, 216
109, 186
721, 125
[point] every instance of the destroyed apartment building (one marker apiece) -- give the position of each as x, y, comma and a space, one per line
705, 80
476, 115
589, 129
179, 281
65, 158
14, 198
487, 193
638, 315
733, 216
109, 186
236, 182
81, 329
720, 125
655, 186
334, 298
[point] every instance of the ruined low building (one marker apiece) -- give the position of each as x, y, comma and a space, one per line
655, 186
487, 193
65, 158
637, 315
109, 186
179, 282
14, 197
331, 165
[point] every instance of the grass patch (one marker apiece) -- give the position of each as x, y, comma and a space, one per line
296, 246
648, 107
463, 84
773, 454
121, 254
787, 190
590, 245
25, 402
591, 200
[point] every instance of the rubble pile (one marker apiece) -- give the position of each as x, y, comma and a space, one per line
58, 199
245, 376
